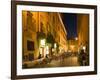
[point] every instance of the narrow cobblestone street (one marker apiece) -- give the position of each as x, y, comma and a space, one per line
68, 61
54, 39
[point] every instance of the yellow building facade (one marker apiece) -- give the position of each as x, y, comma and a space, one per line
43, 32
83, 30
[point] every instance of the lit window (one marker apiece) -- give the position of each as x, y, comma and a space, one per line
42, 42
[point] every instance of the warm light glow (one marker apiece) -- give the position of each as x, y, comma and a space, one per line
76, 38
40, 50
53, 50
84, 48
55, 45
47, 49
69, 50
42, 42
72, 47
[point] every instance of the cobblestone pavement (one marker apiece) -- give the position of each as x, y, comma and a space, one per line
60, 62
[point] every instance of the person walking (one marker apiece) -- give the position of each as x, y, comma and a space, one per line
83, 57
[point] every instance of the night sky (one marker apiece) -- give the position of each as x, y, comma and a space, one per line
70, 22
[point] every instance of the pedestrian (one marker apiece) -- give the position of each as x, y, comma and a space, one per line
83, 57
